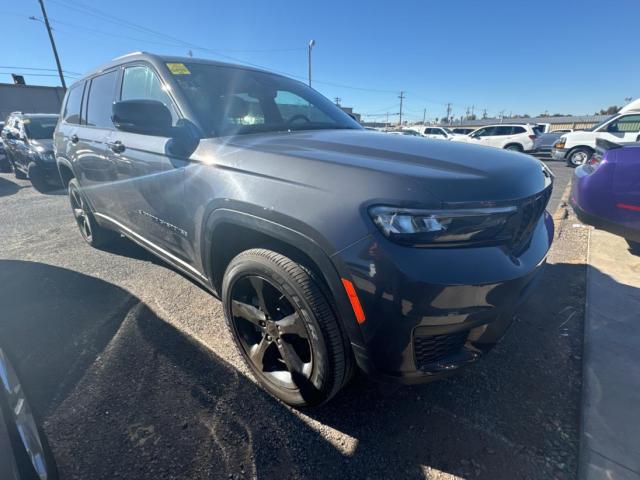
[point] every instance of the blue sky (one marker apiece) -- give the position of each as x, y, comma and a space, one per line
512, 56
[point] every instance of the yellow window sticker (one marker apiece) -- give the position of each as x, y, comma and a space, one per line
178, 69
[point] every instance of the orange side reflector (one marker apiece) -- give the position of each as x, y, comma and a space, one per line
353, 298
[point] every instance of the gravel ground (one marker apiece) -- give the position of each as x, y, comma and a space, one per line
132, 370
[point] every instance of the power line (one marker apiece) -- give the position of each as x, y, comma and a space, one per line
113, 19
38, 69
36, 74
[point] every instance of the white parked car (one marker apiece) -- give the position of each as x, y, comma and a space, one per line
577, 147
441, 133
518, 137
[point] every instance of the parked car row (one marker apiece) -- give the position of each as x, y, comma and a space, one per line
28, 148
576, 148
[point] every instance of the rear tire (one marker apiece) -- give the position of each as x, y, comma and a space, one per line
579, 156
308, 361
91, 231
514, 147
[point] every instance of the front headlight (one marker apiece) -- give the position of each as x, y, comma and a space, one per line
560, 143
441, 227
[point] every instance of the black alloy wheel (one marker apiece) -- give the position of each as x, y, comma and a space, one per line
81, 213
285, 328
91, 231
271, 331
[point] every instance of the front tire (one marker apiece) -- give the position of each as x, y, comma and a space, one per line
17, 172
37, 178
285, 328
91, 231
579, 156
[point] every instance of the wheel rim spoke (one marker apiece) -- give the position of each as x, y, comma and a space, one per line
258, 285
294, 364
247, 312
292, 325
257, 352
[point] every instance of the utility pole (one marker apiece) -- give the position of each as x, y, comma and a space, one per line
53, 44
424, 117
501, 115
312, 44
448, 112
337, 100
467, 114
473, 108
401, 97
484, 113
387, 122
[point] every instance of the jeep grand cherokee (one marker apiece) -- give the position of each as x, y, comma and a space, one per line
330, 246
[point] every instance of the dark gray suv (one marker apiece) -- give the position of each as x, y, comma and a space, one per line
331, 247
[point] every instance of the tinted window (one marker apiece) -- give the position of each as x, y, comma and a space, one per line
141, 83
38, 128
74, 101
487, 131
231, 101
502, 130
522, 130
101, 100
628, 123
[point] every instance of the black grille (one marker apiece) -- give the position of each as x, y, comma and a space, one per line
529, 213
430, 349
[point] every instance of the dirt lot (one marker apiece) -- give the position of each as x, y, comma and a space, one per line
133, 372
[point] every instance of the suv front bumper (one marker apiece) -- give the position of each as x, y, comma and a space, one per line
559, 153
430, 311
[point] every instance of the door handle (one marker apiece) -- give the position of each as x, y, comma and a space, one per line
116, 147
74, 138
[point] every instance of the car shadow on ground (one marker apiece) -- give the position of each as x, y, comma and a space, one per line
7, 187
127, 395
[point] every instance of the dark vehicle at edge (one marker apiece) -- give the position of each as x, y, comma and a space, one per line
28, 143
330, 246
24, 451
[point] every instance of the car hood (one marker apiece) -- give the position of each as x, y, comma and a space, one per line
580, 136
43, 144
381, 166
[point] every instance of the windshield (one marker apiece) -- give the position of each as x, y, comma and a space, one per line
594, 128
39, 128
231, 101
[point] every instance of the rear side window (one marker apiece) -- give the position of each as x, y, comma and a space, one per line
503, 130
74, 101
99, 106
519, 130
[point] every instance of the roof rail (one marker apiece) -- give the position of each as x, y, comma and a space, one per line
128, 55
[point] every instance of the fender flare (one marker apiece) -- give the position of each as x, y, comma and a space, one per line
321, 259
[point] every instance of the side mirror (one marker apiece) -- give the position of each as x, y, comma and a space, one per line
147, 117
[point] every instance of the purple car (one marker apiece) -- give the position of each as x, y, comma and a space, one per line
606, 190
